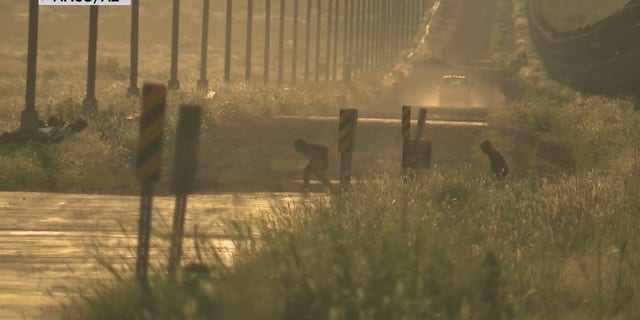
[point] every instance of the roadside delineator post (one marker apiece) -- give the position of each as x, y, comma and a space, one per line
406, 122
405, 130
422, 116
416, 154
184, 172
346, 143
149, 165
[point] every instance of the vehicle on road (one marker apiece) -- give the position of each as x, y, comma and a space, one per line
454, 91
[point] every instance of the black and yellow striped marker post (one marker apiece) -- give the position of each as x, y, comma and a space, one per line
346, 143
149, 164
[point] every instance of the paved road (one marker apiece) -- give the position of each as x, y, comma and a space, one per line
48, 241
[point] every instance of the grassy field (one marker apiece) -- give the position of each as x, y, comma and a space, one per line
106, 165
559, 243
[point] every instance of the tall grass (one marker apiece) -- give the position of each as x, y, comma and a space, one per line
556, 240
455, 246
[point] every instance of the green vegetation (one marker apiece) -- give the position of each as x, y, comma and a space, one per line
557, 240
455, 246
101, 158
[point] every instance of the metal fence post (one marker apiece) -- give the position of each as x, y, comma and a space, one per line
357, 45
247, 63
133, 90
174, 84
281, 43
227, 42
294, 60
29, 116
267, 40
346, 39
203, 83
336, 26
307, 40
328, 52
318, 32
90, 104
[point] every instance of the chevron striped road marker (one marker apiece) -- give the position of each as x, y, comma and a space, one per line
149, 165
346, 143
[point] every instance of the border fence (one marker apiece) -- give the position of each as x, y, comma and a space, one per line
342, 39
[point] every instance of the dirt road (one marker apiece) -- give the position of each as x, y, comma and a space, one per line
462, 36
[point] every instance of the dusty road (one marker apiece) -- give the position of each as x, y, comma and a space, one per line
48, 242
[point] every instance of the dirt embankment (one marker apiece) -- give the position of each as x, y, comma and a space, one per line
600, 58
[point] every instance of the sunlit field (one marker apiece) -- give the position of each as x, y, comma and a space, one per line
106, 165
558, 239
